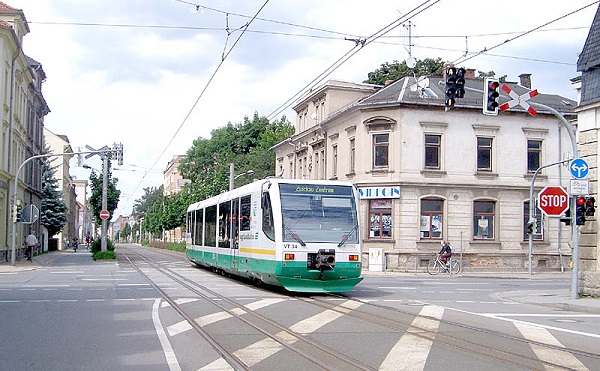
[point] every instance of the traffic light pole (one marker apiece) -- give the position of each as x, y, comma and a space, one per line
533, 208
574, 230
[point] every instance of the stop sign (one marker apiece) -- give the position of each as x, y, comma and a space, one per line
553, 201
104, 214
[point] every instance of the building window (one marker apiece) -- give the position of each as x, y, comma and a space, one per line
317, 165
483, 220
352, 155
538, 234
380, 212
433, 147
380, 150
534, 155
432, 217
335, 155
484, 154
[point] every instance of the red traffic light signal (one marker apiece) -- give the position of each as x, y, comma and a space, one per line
580, 211
491, 94
590, 206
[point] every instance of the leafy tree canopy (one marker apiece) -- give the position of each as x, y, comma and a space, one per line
397, 70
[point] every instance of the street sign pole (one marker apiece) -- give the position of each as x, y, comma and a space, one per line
532, 208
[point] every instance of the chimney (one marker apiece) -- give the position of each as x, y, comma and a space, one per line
470, 73
525, 80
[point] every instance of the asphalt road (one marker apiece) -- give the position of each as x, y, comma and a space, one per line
153, 310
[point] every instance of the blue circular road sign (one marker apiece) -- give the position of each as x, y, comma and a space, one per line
579, 168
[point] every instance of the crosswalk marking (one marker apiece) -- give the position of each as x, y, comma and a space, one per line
554, 356
411, 351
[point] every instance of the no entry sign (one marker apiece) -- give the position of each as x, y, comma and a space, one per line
104, 214
553, 201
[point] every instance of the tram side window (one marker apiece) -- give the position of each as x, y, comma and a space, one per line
245, 213
235, 231
198, 226
210, 231
267, 216
224, 223
189, 225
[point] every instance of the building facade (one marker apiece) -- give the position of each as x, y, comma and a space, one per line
588, 113
21, 136
60, 144
426, 175
173, 183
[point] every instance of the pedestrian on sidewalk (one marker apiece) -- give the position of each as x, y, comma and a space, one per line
31, 241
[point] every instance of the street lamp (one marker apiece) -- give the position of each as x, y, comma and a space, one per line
232, 177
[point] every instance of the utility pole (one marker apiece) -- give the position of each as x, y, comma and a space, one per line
103, 246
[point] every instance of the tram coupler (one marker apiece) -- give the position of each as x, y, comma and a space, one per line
324, 260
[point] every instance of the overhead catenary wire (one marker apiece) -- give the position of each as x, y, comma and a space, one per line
189, 113
357, 47
466, 56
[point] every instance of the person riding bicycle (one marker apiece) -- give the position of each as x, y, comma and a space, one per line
445, 252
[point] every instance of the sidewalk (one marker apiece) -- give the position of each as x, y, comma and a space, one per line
36, 262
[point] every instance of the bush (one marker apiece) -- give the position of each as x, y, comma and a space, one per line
97, 245
98, 255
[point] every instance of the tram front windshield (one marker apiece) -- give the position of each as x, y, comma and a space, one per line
318, 213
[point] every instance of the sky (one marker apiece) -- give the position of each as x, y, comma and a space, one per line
155, 75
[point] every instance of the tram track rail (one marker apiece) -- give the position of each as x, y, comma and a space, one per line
319, 355
446, 337
387, 317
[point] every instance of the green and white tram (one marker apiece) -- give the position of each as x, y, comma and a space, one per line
303, 235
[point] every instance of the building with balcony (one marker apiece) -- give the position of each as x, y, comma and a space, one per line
427, 175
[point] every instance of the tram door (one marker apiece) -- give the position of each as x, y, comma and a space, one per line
234, 239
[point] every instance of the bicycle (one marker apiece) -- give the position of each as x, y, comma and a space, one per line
436, 265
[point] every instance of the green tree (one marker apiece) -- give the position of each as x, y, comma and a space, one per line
245, 144
150, 196
53, 208
396, 70
482, 75
112, 194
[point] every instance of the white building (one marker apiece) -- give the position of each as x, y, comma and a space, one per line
426, 175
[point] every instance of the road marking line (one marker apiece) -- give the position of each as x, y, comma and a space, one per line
263, 303
164, 340
218, 365
254, 353
411, 351
212, 318
178, 328
555, 356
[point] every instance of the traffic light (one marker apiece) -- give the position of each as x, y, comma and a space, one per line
567, 217
590, 206
531, 226
450, 87
17, 209
580, 211
490, 96
118, 152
